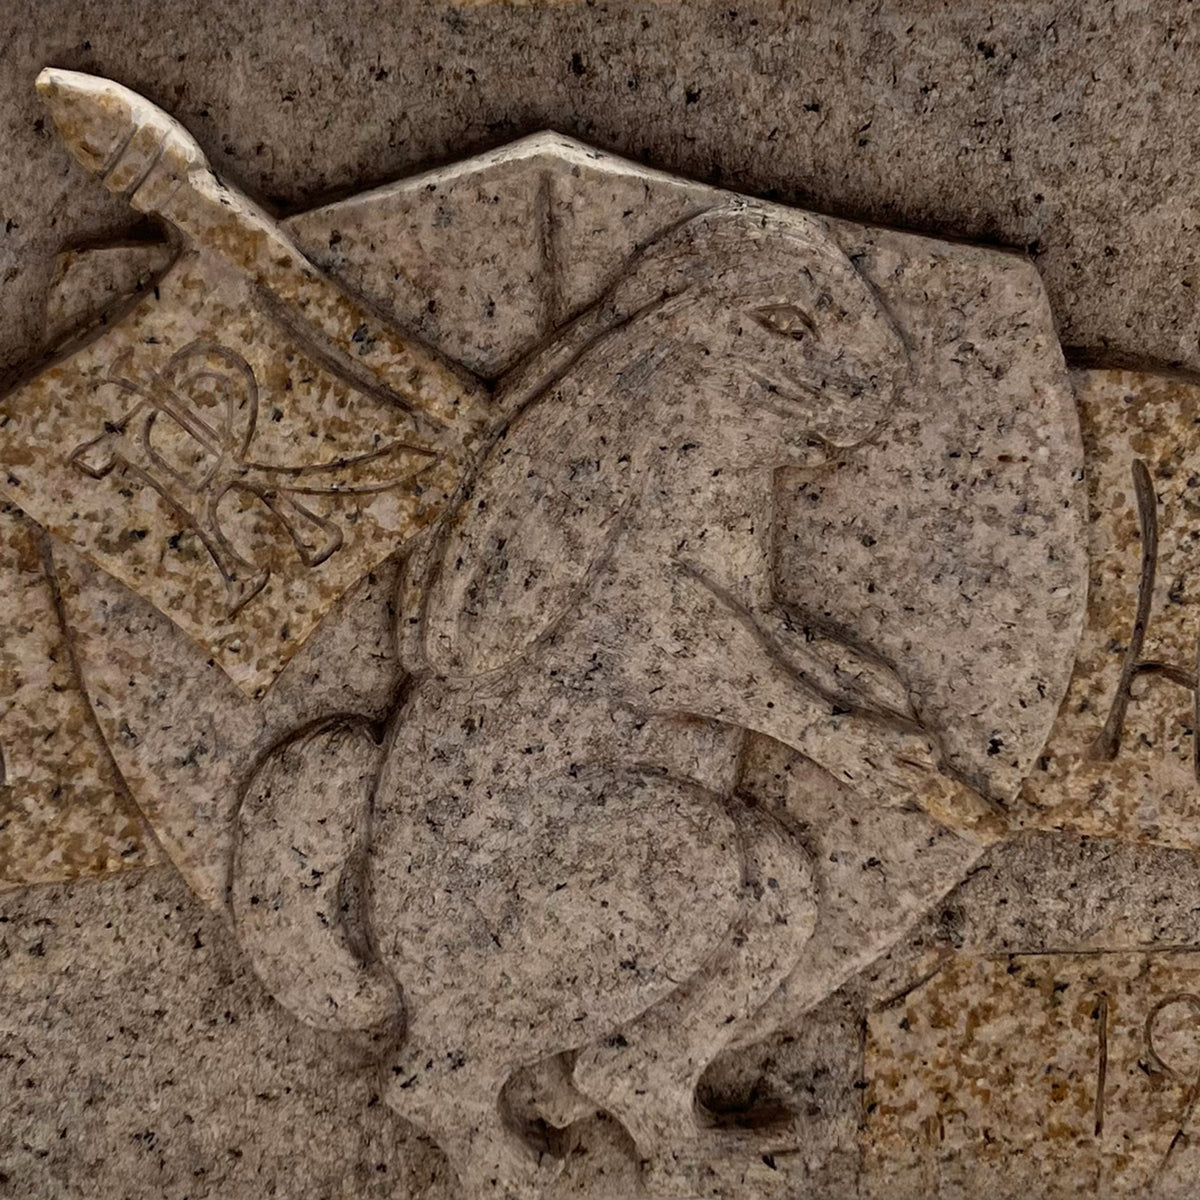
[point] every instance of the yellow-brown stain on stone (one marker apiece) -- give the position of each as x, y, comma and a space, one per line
990, 1075
1148, 791
62, 812
307, 417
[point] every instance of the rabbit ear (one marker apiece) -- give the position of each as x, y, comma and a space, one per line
674, 262
547, 503
523, 542
653, 279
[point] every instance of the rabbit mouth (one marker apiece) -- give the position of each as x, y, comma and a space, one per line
830, 394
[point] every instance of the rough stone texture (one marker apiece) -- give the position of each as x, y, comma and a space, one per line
64, 812
1130, 768
542, 859
997, 1074
550, 866
589, 209
1062, 127
119, 960
248, 440
982, 1061
87, 283
180, 1079
821, 1089
183, 736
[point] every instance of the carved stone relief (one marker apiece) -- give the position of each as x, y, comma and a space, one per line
566, 623
65, 809
1123, 757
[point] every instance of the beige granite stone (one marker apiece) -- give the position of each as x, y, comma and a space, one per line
90, 281
1128, 767
543, 860
183, 736
140, 1057
249, 440
64, 812
1061, 127
635, 810
1000, 1074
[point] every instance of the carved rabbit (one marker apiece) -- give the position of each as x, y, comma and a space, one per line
551, 856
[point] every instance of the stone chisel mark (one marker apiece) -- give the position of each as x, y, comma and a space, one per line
1107, 743
1188, 1000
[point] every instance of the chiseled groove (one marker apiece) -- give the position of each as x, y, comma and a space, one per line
155, 158
1108, 740
547, 226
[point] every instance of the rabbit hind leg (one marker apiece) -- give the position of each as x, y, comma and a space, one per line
646, 1073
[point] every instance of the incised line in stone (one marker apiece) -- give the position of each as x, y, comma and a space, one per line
1108, 741
128, 444
122, 788
1192, 1095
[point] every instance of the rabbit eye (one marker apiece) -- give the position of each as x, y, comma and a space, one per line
786, 320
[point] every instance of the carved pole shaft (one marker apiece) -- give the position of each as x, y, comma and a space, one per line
145, 155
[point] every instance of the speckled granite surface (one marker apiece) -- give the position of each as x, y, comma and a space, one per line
65, 809
954, 945
1061, 127
115, 1085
